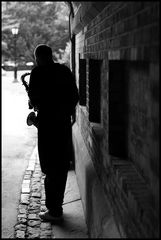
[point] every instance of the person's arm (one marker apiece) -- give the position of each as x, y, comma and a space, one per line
33, 91
74, 96
75, 100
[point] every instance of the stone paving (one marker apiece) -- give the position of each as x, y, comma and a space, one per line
32, 201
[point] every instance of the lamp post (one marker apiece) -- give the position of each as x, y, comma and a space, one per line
15, 32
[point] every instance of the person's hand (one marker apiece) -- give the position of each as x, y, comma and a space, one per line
30, 105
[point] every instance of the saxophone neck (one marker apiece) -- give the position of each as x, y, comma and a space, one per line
23, 80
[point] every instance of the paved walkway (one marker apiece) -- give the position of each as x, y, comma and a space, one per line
32, 201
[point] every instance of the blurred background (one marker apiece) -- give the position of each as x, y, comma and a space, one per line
27, 24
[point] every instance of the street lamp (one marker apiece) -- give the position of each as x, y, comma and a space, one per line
15, 33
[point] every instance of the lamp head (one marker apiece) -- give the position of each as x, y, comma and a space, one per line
15, 30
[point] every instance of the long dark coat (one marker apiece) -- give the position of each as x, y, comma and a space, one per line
53, 90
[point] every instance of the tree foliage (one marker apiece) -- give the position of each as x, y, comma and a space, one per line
38, 22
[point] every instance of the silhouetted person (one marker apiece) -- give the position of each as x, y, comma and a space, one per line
53, 91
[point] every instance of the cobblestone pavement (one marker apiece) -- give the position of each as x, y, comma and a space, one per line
32, 201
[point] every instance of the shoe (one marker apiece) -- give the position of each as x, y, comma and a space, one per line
46, 216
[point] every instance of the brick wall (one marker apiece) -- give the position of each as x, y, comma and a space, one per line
125, 32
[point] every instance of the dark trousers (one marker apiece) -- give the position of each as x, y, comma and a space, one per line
54, 189
55, 153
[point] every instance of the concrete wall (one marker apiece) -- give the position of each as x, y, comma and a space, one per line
118, 166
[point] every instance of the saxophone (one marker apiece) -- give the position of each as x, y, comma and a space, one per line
32, 117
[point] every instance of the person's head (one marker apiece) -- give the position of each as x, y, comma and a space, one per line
43, 54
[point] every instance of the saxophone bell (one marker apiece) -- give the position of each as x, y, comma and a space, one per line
32, 119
